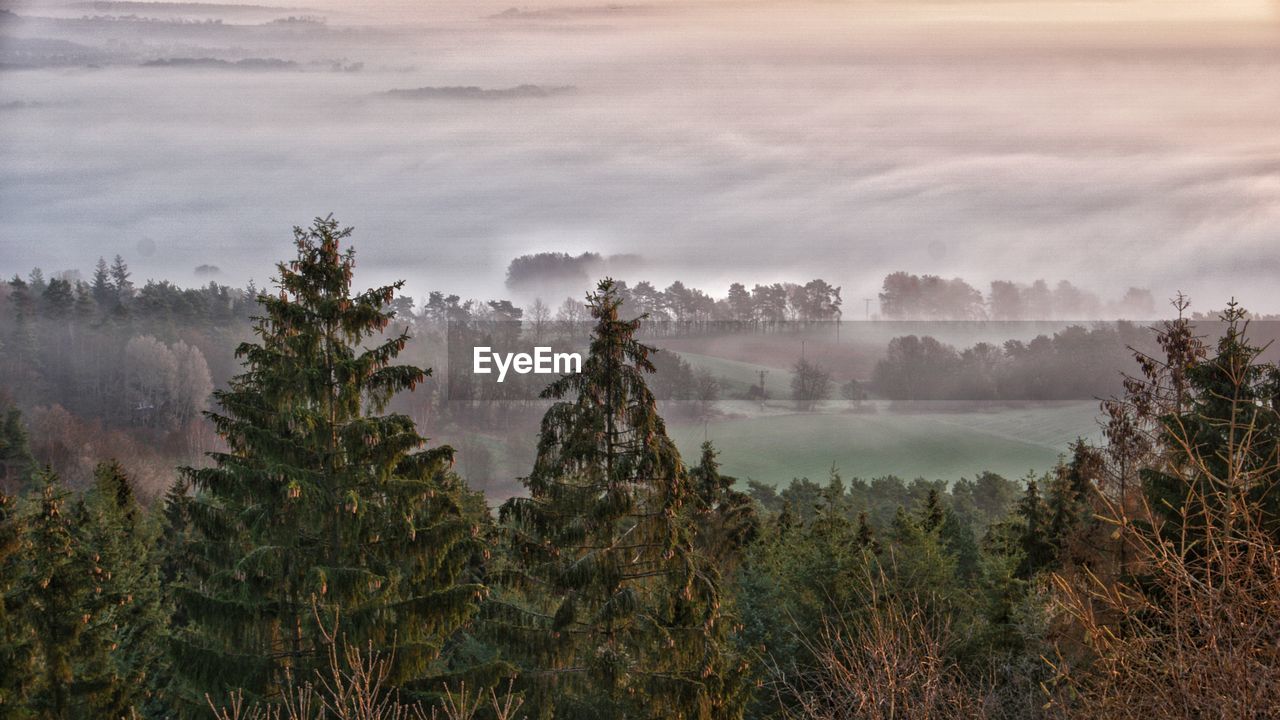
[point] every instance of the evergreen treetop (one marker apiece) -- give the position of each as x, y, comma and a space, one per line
612, 611
324, 521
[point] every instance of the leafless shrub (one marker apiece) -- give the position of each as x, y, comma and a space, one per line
354, 690
889, 663
1192, 629
355, 686
1194, 638
360, 693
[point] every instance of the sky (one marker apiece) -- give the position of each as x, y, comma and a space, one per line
1117, 143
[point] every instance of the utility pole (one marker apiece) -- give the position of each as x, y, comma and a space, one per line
763, 395
868, 302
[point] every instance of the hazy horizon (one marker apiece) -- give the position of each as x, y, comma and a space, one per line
1106, 143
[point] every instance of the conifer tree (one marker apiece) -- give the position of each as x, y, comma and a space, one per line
85, 308
120, 281
59, 299
16, 467
725, 518
922, 566
611, 611
831, 516
53, 610
934, 512
126, 604
175, 533
1069, 511
1033, 537
866, 535
323, 514
1224, 424
16, 462
36, 282
725, 526
104, 292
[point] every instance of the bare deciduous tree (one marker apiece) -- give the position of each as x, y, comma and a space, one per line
890, 663
1190, 627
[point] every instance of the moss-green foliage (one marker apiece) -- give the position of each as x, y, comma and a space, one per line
80, 622
127, 602
829, 554
609, 606
323, 515
16, 463
52, 587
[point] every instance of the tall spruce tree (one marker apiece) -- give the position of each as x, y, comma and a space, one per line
611, 611
16, 461
323, 514
120, 279
104, 292
1072, 527
175, 538
726, 526
126, 602
55, 612
934, 512
1038, 550
726, 518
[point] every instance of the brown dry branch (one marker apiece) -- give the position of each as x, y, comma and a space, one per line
1192, 629
354, 687
1192, 639
890, 663
359, 693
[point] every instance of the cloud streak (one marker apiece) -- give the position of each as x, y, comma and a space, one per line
720, 142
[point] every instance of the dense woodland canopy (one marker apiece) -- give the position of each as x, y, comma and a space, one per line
328, 562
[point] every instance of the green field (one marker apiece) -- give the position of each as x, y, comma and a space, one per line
947, 445
736, 377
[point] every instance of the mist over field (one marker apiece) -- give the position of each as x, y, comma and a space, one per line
1112, 144
756, 359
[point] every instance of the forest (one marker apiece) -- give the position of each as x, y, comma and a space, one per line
222, 503
106, 364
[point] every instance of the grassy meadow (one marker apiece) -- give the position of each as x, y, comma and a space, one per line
775, 447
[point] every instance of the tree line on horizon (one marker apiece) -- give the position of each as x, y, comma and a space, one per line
109, 365
906, 296
903, 296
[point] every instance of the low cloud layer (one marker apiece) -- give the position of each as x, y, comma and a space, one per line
724, 142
